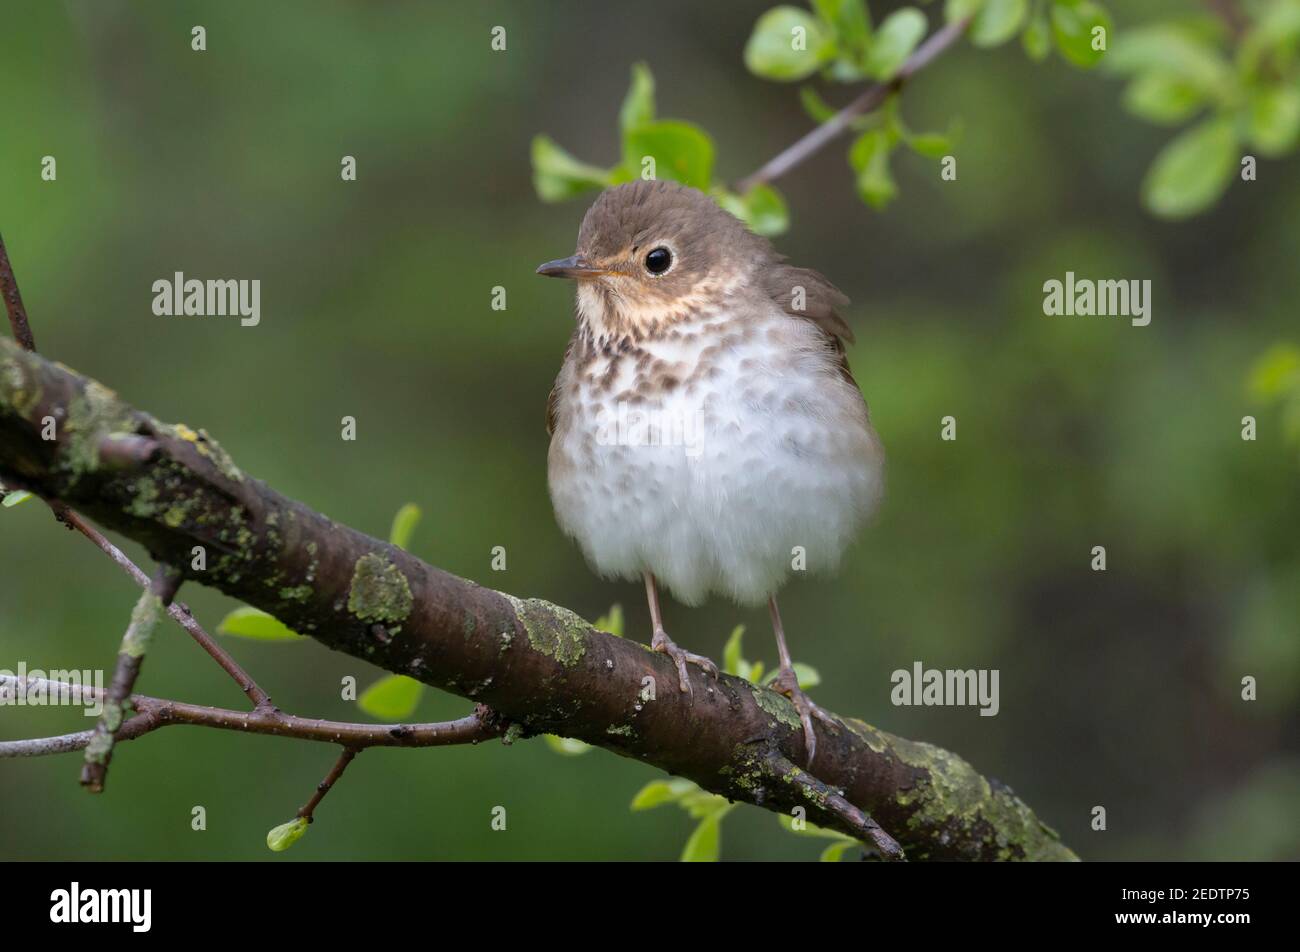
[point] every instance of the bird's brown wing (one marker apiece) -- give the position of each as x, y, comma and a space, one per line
550, 411
553, 401
821, 302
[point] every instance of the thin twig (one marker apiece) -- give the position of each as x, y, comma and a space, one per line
135, 450
135, 727
154, 713
135, 644
178, 611
42, 746
14, 301
871, 99
309, 808
465, 730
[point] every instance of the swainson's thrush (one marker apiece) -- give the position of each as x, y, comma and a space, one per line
705, 430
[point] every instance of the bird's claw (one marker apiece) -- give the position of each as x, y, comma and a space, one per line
788, 684
662, 643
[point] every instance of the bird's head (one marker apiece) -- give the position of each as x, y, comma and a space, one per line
652, 254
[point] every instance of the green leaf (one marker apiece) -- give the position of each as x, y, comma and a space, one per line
1193, 171
621, 174
932, 145
1162, 98
809, 829
391, 698
1037, 38
850, 22
658, 792
1276, 373
699, 803
767, 212
1273, 119
682, 152
15, 497
730, 202
869, 157
611, 621
817, 108
639, 103
247, 622
844, 70
1073, 25
891, 121
832, 853
788, 44
1174, 51
1276, 30
558, 175
955, 10
404, 523
894, 42
654, 794
998, 21
705, 844
805, 674
566, 746
835, 852
731, 659
734, 663
762, 208
285, 835
1281, 21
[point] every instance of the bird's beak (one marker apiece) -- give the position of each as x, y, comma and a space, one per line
575, 266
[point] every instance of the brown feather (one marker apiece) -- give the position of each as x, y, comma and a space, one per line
552, 401
706, 239
822, 301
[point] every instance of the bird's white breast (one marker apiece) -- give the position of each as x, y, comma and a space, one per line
759, 460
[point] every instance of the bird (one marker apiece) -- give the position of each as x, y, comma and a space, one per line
706, 432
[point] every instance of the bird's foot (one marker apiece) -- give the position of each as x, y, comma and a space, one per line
662, 643
788, 684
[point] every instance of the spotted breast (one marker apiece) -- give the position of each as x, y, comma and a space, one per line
717, 453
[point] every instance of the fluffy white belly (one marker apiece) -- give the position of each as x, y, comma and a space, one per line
763, 463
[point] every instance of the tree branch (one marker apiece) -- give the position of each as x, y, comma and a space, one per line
872, 98
178, 611
14, 301
130, 657
152, 713
123, 453
538, 664
308, 810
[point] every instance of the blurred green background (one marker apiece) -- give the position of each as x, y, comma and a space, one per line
1119, 689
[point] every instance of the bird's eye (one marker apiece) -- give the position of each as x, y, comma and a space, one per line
658, 260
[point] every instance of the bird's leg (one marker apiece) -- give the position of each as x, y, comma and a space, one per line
788, 684
661, 642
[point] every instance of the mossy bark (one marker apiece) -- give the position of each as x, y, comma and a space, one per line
536, 663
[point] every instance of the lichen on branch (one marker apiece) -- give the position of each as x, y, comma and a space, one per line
538, 665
